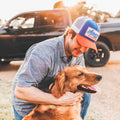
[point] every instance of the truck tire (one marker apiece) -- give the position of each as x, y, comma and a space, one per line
99, 59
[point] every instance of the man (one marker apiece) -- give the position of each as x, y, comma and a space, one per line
45, 59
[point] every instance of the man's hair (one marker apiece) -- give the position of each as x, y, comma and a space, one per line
72, 32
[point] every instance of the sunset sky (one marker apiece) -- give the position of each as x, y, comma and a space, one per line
9, 8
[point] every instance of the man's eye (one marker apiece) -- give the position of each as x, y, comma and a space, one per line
80, 74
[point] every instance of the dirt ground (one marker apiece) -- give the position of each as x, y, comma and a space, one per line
105, 105
107, 102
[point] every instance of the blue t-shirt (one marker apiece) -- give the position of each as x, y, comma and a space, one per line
42, 61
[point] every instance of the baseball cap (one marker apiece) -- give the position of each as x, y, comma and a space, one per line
87, 32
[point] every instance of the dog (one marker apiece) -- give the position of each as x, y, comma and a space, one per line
71, 79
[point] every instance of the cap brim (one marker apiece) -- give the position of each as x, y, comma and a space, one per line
86, 42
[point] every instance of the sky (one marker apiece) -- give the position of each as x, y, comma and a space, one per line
10, 8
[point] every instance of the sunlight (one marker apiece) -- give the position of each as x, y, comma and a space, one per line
111, 6
70, 3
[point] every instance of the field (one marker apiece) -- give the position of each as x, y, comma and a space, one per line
104, 105
6, 112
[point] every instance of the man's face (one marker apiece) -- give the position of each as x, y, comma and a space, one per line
74, 47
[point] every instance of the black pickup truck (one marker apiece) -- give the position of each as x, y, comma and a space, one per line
28, 28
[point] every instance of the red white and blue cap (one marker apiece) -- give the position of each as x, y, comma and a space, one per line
87, 31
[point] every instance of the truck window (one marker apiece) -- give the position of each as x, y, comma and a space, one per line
29, 23
16, 23
22, 22
47, 18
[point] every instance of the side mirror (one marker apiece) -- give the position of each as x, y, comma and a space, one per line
10, 27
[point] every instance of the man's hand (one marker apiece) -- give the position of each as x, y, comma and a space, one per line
69, 98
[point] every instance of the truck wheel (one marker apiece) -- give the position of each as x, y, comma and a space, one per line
99, 59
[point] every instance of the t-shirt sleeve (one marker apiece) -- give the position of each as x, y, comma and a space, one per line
32, 71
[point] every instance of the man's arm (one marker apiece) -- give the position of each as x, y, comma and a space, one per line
34, 95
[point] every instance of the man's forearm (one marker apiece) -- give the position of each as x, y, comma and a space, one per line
34, 95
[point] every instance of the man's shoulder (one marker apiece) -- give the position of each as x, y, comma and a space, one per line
50, 43
48, 47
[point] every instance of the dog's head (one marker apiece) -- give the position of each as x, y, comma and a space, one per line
75, 78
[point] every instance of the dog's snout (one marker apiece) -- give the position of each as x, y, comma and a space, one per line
99, 77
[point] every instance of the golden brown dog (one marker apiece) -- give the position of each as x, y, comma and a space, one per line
71, 79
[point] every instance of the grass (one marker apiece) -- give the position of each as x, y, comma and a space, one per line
6, 111
93, 114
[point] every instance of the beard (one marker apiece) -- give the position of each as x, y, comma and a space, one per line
76, 52
71, 50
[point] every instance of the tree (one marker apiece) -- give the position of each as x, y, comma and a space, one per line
118, 14
81, 9
59, 4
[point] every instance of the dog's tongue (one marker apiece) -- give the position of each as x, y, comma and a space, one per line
94, 88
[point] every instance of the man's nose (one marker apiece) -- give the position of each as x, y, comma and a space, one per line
83, 49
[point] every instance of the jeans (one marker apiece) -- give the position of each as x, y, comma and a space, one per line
17, 116
84, 104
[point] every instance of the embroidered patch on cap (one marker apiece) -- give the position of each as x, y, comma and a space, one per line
92, 33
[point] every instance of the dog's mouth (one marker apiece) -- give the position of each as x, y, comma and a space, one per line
87, 88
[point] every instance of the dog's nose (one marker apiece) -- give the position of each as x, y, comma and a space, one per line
99, 77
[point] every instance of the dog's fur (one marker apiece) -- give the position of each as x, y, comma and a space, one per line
71, 79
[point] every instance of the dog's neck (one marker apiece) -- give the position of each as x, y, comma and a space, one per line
57, 93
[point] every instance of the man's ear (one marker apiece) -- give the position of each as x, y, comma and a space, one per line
70, 33
58, 87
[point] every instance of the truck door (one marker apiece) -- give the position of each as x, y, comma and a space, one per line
23, 30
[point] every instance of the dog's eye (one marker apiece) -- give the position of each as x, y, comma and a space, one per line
80, 74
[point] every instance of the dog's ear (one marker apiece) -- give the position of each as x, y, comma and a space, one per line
58, 87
